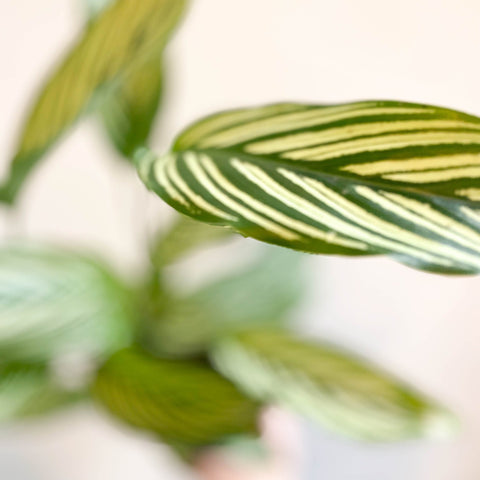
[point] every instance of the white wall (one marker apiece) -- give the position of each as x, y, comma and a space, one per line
232, 53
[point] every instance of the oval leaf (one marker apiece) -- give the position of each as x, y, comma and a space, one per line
183, 402
118, 41
340, 392
367, 178
54, 303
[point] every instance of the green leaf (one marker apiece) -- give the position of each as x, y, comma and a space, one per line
115, 44
54, 303
184, 403
28, 391
366, 178
184, 236
263, 293
129, 111
329, 386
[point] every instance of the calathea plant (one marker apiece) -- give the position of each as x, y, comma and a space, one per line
365, 178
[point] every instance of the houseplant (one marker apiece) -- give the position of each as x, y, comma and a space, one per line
439, 118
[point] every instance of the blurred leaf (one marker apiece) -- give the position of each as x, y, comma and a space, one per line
182, 237
115, 44
129, 111
185, 403
263, 293
364, 178
339, 391
29, 391
54, 303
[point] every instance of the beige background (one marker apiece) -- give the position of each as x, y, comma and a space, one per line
232, 53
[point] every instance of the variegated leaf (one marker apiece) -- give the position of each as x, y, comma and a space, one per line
183, 402
376, 177
262, 293
55, 303
339, 391
119, 40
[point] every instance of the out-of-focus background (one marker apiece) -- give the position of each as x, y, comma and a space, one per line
236, 53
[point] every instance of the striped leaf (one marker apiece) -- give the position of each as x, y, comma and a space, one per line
29, 391
337, 390
54, 303
183, 402
263, 293
116, 43
129, 111
366, 178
